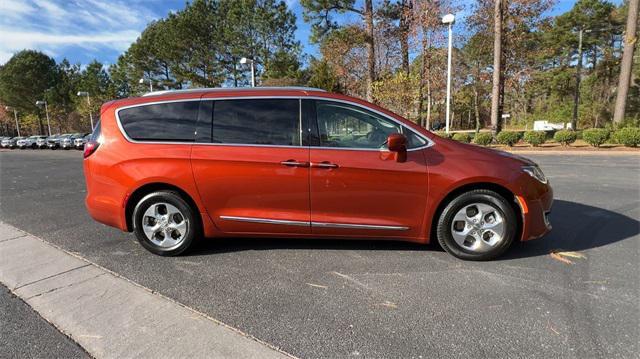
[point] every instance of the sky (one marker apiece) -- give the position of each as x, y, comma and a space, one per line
84, 30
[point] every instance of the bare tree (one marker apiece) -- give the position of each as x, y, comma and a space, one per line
630, 40
497, 68
371, 55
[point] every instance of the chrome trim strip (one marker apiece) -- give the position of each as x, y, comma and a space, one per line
357, 226
265, 220
429, 142
316, 224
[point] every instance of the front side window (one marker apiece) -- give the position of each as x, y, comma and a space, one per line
257, 122
346, 126
171, 121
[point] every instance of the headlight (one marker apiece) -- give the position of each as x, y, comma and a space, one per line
535, 172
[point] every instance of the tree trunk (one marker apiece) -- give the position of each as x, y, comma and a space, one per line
624, 81
371, 55
497, 68
405, 6
476, 107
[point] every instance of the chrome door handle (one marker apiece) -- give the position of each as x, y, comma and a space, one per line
324, 164
294, 163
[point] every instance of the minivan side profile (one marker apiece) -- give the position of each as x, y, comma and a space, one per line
175, 166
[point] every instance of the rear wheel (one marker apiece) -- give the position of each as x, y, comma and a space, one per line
477, 225
164, 223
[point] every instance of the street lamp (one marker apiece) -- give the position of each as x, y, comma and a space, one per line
449, 19
46, 110
150, 84
85, 93
15, 115
245, 60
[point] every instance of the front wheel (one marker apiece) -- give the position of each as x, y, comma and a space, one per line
164, 223
477, 225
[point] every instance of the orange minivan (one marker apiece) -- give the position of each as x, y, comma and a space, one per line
177, 166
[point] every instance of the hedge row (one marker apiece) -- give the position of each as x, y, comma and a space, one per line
629, 137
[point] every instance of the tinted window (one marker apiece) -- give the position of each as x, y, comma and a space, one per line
347, 126
257, 122
96, 132
174, 121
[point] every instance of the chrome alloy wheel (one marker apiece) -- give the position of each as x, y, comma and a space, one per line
164, 225
478, 227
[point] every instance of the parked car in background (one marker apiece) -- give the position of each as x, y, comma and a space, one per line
11, 142
68, 141
29, 142
53, 142
177, 166
2, 138
41, 142
79, 142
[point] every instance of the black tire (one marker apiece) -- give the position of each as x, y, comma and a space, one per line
491, 198
189, 214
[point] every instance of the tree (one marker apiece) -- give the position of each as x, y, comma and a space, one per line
318, 13
497, 91
25, 78
630, 42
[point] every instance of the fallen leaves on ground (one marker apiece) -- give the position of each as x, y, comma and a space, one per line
563, 256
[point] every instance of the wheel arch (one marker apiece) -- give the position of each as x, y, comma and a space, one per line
147, 188
501, 190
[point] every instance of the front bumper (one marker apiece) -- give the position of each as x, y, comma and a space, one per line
535, 213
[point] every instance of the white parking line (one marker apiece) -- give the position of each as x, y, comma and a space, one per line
110, 316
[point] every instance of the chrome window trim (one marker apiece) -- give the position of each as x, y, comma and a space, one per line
312, 224
428, 141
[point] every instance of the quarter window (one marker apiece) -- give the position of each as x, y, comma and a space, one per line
257, 122
172, 121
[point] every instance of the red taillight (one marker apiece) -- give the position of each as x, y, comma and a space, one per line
90, 147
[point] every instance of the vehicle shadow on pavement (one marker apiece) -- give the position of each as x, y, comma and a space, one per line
578, 227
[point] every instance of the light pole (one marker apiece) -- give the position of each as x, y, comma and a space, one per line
449, 19
85, 93
150, 84
46, 110
243, 61
15, 115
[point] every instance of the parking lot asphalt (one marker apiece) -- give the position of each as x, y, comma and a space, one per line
318, 298
24, 334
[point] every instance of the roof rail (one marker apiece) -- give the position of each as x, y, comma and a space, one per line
208, 89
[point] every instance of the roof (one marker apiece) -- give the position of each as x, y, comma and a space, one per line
231, 89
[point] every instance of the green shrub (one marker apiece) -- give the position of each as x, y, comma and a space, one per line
462, 137
535, 138
565, 137
579, 134
629, 136
595, 136
483, 138
508, 138
444, 134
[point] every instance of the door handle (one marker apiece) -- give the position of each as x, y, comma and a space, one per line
294, 163
324, 164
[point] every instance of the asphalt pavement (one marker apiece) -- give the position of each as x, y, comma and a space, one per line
24, 334
319, 298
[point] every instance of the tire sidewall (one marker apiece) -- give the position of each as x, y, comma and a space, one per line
479, 196
175, 200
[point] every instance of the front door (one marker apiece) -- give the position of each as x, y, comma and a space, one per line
358, 188
253, 176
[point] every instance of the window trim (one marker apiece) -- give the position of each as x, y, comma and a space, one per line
428, 141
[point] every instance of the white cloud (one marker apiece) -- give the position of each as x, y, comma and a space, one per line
52, 26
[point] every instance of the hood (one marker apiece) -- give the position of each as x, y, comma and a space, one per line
477, 152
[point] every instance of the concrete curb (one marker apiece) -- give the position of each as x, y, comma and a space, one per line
577, 152
110, 316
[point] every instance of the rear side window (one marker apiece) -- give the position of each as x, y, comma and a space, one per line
257, 122
96, 132
172, 121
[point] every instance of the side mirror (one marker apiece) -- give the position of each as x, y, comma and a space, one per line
397, 142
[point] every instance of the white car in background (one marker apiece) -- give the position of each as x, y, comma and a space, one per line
29, 142
547, 126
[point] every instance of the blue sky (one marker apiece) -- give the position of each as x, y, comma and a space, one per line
83, 30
